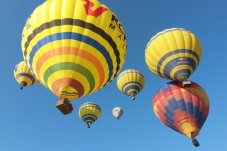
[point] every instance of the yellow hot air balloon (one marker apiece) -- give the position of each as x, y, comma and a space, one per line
173, 54
89, 112
23, 75
74, 47
130, 82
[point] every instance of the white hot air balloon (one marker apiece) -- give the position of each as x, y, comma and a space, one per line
117, 112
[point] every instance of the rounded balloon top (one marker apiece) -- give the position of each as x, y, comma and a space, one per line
89, 112
173, 54
74, 47
183, 109
130, 82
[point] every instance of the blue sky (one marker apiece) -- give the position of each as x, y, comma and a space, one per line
31, 122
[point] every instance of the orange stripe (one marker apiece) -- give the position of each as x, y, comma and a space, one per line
74, 51
69, 82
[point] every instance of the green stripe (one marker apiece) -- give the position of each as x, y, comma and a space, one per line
70, 66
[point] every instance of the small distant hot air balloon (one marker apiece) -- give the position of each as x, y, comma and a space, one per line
23, 75
173, 54
89, 112
74, 47
130, 82
117, 112
183, 109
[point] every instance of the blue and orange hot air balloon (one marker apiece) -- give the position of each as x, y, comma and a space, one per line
173, 54
74, 47
184, 109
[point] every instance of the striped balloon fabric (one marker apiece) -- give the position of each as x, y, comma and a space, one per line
130, 82
183, 109
74, 47
89, 112
173, 54
23, 75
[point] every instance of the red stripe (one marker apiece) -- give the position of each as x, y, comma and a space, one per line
74, 51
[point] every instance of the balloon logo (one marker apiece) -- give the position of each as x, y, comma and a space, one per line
173, 54
76, 52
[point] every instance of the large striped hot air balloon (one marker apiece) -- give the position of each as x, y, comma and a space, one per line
89, 112
173, 54
183, 109
23, 75
130, 82
74, 47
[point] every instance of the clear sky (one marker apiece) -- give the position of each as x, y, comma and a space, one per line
29, 120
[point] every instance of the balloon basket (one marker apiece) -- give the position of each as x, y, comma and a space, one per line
186, 83
64, 106
195, 143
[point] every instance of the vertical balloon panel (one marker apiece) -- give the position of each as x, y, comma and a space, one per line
183, 109
74, 52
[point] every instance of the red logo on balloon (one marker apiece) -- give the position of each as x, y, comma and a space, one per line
98, 11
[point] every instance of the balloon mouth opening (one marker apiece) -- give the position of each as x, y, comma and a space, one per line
89, 124
182, 75
133, 95
23, 84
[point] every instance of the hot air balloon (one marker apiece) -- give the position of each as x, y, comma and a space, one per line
89, 112
173, 54
183, 109
130, 82
117, 112
74, 47
23, 75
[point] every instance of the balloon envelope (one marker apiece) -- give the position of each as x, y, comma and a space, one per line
183, 109
130, 82
89, 112
117, 112
23, 75
74, 47
173, 54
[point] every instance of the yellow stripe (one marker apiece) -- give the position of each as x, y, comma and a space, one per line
69, 74
174, 70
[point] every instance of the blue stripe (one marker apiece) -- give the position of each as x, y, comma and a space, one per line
170, 110
174, 53
189, 106
74, 36
181, 105
31, 77
195, 112
91, 117
127, 86
174, 63
173, 104
165, 87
